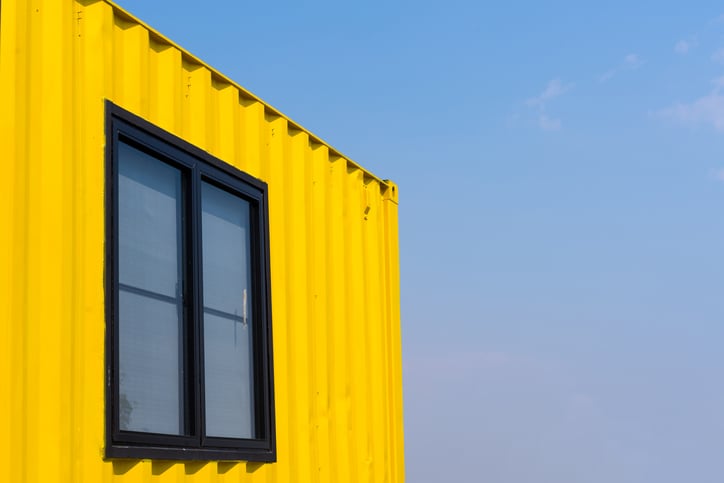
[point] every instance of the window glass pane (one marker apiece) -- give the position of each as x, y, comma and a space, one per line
227, 314
225, 235
148, 246
150, 315
227, 363
150, 366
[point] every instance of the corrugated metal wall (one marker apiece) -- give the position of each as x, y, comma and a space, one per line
333, 253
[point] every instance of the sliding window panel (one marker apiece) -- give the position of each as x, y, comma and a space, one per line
228, 317
150, 249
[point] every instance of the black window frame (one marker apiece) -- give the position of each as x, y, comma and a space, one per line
123, 126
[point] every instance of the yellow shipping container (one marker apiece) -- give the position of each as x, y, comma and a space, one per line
86, 91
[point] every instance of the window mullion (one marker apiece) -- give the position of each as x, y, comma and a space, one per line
196, 341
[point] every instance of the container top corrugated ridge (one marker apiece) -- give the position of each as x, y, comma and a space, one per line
120, 11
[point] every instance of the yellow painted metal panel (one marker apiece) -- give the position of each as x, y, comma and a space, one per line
334, 256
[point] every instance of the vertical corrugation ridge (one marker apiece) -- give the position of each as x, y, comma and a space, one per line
354, 319
224, 123
278, 128
392, 307
164, 85
196, 103
372, 321
338, 364
131, 65
214, 124
13, 74
258, 141
250, 137
318, 316
280, 298
7, 219
66, 281
315, 342
45, 281
94, 78
30, 372
388, 367
298, 220
375, 288
75, 346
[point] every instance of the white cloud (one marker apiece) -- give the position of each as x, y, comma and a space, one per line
719, 174
555, 88
607, 75
683, 46
548, 123
708, 109
718, 56
629, 62
632, 60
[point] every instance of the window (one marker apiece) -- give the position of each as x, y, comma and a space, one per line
188, 344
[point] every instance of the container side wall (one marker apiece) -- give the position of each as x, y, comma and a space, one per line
334, 259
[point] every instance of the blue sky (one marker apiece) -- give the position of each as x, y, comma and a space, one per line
561, 172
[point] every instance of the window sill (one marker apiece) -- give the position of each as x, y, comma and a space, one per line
261, 455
